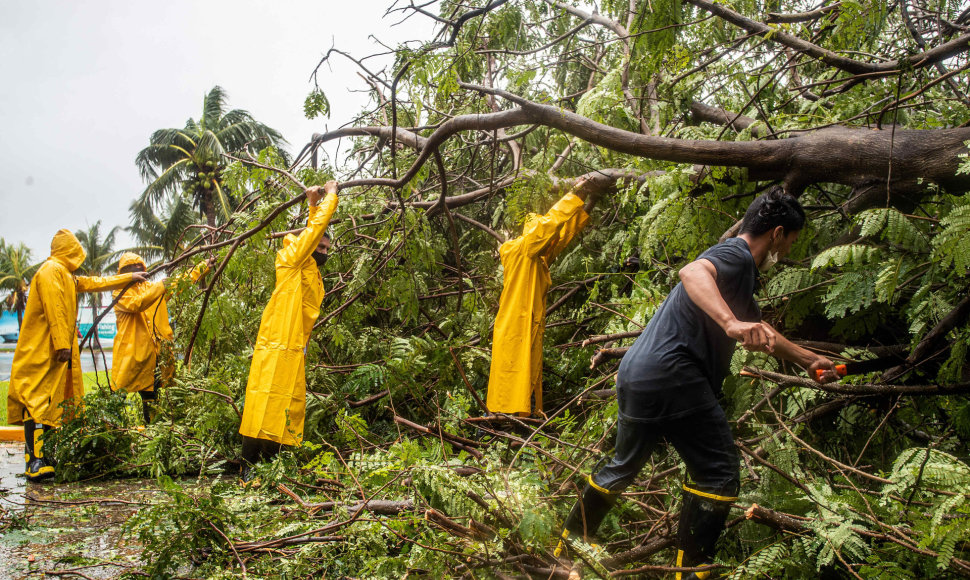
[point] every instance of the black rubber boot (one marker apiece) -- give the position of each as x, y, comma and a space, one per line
251, 451
148, 400
587, 515
268, 449
37, 468
701, 523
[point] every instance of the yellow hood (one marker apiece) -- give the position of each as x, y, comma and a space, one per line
130, 259
67, 250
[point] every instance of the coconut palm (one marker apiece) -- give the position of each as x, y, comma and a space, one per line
15, 273
188, 162
161, 234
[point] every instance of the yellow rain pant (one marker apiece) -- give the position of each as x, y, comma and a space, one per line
38, 383
516, 370
276, 392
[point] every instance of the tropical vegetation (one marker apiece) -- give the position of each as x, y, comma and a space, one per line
189, 162
680, 112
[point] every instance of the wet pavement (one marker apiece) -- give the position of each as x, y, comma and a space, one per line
98, 360
66, 527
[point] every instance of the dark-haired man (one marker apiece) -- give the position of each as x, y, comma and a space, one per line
670, 379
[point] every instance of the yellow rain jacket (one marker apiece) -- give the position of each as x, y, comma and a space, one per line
142, 318
516, 370
276, 392
38, 383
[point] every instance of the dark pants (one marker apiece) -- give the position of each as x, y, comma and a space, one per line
702, 439
150, 398
255, 450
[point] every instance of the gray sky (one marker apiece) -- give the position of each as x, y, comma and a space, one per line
84, 84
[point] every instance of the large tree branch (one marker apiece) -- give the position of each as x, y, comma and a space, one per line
836, 154
942, 52
863, 389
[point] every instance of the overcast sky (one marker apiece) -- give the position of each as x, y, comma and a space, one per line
84, 84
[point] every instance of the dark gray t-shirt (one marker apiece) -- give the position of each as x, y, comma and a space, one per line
677, 365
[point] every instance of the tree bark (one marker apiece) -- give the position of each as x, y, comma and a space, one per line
855, 157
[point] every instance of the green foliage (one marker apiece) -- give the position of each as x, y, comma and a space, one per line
186, 528
405, 328
316, 105
97, 438
951, 247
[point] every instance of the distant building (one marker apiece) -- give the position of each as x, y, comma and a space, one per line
8, 327
107, 327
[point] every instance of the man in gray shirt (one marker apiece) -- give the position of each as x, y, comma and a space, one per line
670, 380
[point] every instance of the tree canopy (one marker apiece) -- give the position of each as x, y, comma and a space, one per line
681, 112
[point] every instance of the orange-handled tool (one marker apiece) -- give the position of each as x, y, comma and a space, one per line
840, 370
865, 366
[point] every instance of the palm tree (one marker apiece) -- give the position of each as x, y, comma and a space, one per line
161, 234
15, 273
100, 258
189, 161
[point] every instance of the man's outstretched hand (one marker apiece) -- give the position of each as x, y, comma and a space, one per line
315, 194
139, 276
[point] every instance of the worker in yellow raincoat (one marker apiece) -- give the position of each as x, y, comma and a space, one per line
142, 318
46, 367
276, 392
515, 377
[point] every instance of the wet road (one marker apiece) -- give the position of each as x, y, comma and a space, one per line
88, 362
52, 527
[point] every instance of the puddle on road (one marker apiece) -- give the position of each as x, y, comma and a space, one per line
76, 526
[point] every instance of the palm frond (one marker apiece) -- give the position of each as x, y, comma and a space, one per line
213, 107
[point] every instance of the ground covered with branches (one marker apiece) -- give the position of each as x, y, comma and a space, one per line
680, 113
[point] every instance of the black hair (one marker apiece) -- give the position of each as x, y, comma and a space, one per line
774, 208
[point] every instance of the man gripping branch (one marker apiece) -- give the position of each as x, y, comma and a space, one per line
670, 379
275, 402
515, 377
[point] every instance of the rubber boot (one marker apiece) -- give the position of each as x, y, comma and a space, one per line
701, 523
37, 468
587, 515
148, 400
251, 451
268, 450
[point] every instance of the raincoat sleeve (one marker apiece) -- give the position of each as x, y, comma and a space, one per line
51, 286
200, 270
569, 231
140, 297
548, 226
300, 250
100, 283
